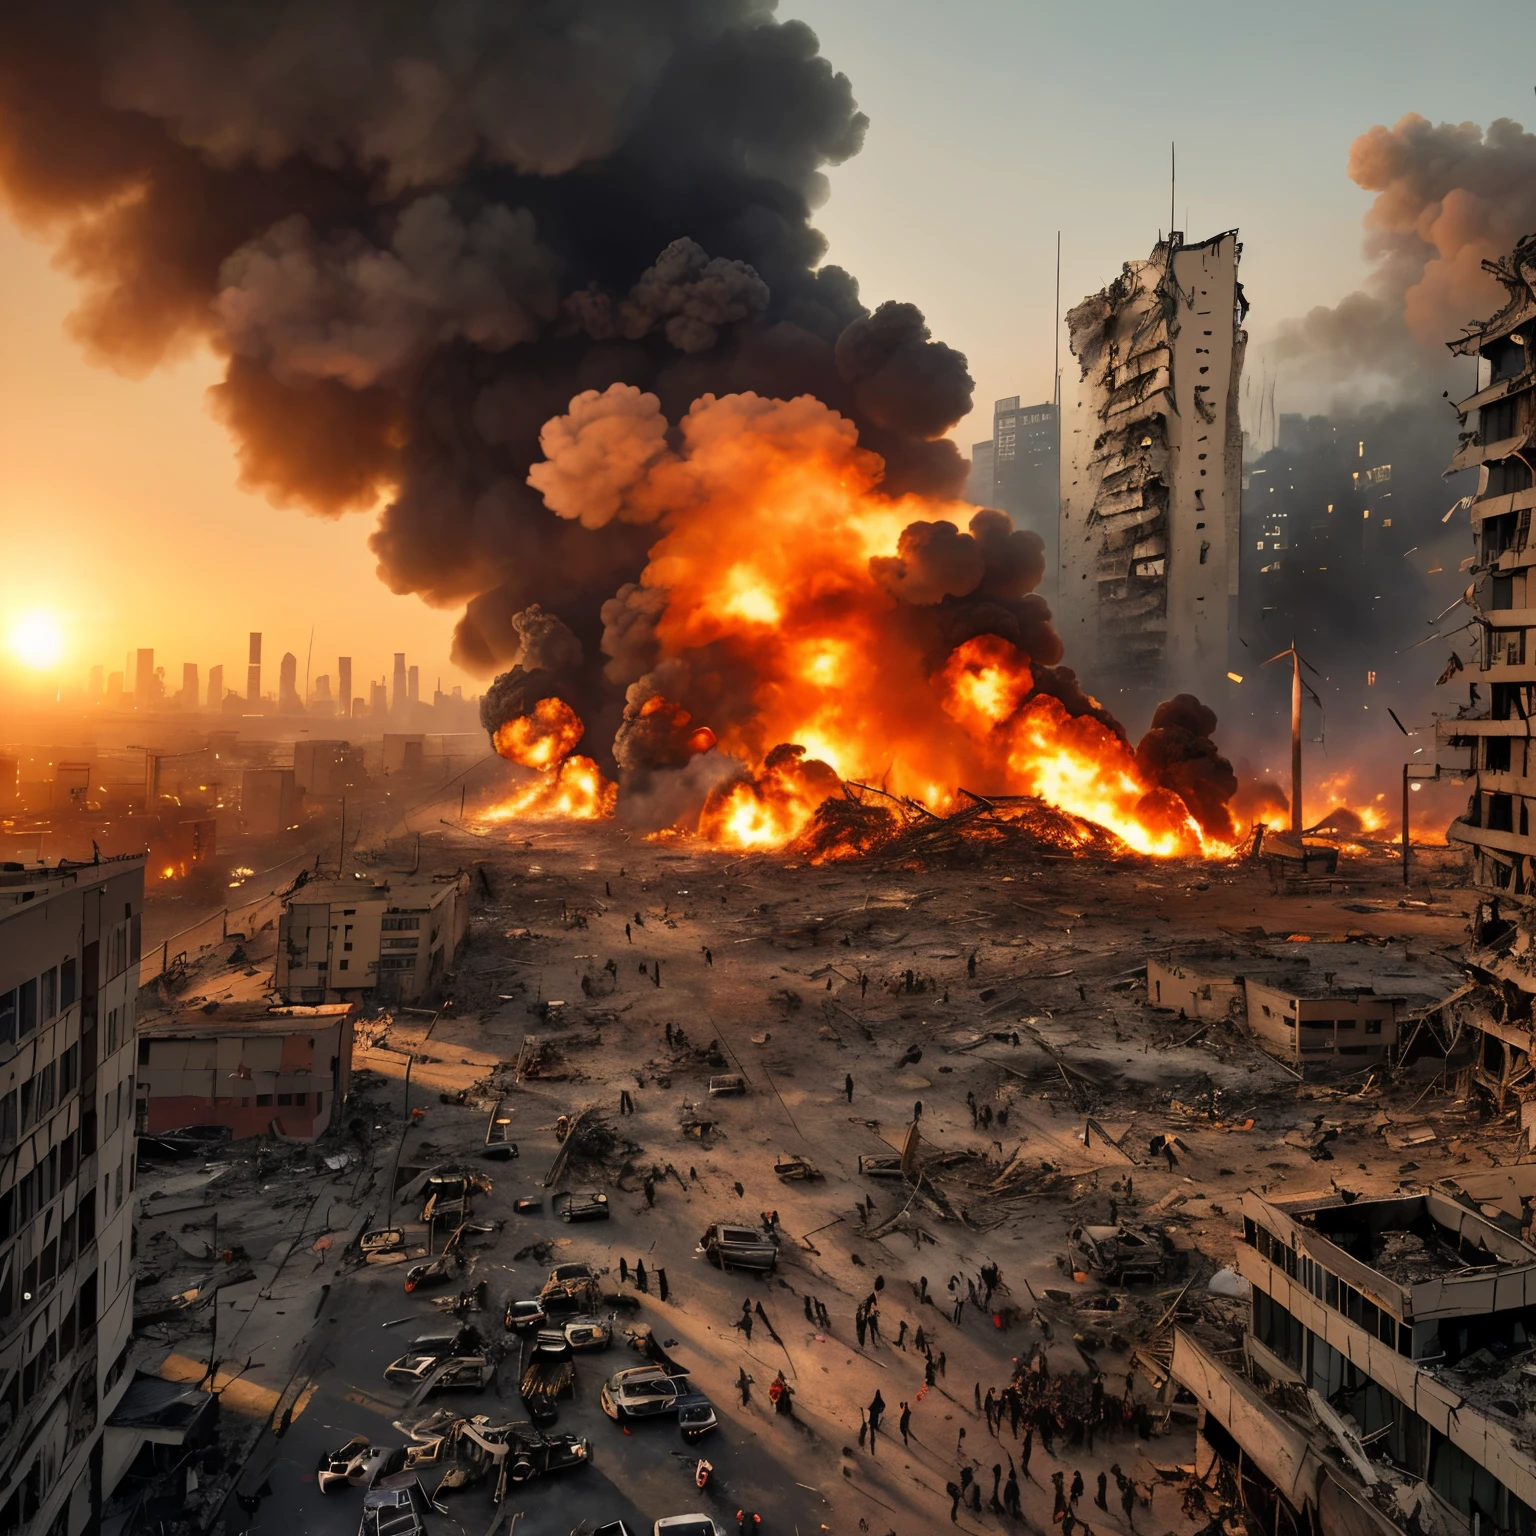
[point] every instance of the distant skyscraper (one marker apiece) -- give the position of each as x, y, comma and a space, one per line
344, 685
1026, 472
399, 694
378, 699
1152, 486
253, 674
413, 685
288, 701
143, 679
979, 488
189, 695
321, 700
215, 687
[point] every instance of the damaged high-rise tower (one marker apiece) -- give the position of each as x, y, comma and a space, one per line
1151, 473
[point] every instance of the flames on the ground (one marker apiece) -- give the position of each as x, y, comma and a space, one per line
1349, 808
566, 785
798, 629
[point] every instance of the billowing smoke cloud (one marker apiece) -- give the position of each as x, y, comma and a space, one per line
1178, 753
1449, 196
416, 233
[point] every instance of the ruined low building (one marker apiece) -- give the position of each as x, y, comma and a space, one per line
1382, 1384
69, 982
1151, 483
1311, 1006
246, 1065
394, 941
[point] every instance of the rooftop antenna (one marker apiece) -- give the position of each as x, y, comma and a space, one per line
1056, 362
1173, 182
308, 656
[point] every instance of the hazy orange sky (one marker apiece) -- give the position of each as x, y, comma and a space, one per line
121, 515
119, 508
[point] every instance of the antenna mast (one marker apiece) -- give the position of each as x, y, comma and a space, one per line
1056, 361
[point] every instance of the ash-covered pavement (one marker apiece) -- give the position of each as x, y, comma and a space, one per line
1022, 1018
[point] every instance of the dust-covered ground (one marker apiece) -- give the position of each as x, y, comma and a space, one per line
1001, 1007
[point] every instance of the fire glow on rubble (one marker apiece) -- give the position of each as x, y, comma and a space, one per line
800, 629
568, 786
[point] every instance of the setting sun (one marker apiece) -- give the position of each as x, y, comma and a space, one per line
36, 640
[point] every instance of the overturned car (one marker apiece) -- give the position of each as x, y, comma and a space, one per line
358, 1464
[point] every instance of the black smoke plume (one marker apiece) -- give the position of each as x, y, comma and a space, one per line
415, 232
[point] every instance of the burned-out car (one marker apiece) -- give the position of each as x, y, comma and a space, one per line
531, 1453
523, 1314
1122, 1255
643, 1392
571, 1288
358, 1464
580, 1205
728, 1246
396, 1510
696, 1416
586, 1332
426, 1351
459, 1373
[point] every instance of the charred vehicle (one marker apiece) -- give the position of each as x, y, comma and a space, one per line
728, 1246
427, 1351
358, 1464
571, 1288
643, 1392
1122, 1255
583, 1205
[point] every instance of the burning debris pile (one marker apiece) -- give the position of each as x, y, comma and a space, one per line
799, 627
867, 823
548, 287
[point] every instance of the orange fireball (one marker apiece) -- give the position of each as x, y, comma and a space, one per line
542, 739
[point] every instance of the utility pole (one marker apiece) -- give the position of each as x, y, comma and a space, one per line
1295, 741
1297, 685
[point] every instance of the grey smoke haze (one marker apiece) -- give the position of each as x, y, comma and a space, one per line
1449, 196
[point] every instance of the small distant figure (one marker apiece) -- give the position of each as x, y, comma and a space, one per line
650, 1190
848, 1086
629, 937
905, 1423
970, 965
709, 960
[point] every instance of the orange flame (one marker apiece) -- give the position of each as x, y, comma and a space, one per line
816, 604
542, 739
567, 786
575, 790
1075, 763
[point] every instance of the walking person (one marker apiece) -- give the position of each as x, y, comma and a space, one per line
848, 1086
905, 1423
1100, 1497
1011, 1494
1077, 1489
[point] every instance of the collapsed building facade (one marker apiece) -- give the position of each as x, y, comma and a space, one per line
1488, 739
1152, 471
1381, 1383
